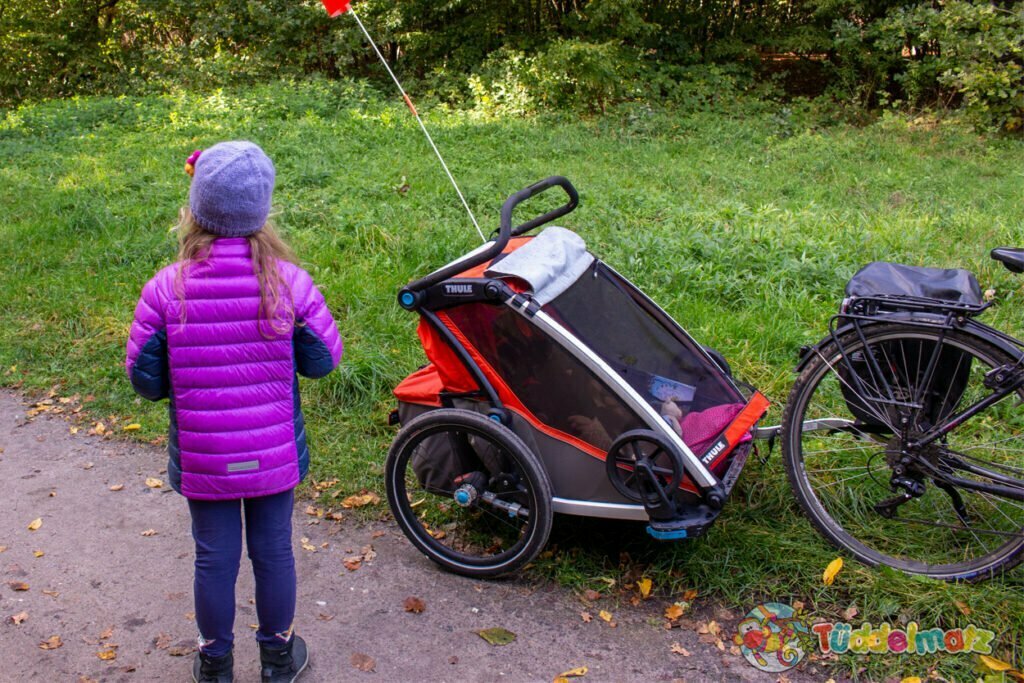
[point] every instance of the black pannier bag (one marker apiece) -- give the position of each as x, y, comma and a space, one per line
903, 363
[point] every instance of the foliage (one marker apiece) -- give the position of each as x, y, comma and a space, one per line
529, 56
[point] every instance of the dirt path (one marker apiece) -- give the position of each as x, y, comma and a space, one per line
95, 580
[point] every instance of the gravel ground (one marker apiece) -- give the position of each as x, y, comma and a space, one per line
95, 575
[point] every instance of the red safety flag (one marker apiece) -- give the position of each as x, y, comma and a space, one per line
336, 7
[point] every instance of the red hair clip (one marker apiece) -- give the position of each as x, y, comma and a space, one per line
190, 163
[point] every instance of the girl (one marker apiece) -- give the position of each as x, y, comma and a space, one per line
222, 334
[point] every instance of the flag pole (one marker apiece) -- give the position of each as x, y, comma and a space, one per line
338, 7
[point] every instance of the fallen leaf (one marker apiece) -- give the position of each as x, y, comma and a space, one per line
964, 609
52, 594
133, 427
117, 487
798, 606
363, 662
73, 430
605, 615
497, 636
368, 553
99, 430
181, 650
414, 605
352, 563
306, 545
18, 618
359, 500
38, 553
162, 641
376, 534
3, 548
911, 679
995, 664
87, 466
336, 517
149, 532
314, 511
106, 635
645, 587
573, 673
587, 617
107, 655
154, 483
850, 612
35, 524
51, 643
17, 585
690, 594
674, 611
324, 617
680, 650
591, 595
831, 570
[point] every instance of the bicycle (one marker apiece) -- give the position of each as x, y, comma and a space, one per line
902, 438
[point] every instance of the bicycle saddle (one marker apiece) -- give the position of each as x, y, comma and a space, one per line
1012, 258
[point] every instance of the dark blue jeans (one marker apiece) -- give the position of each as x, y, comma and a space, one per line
217, 530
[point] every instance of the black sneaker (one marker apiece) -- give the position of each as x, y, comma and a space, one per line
213, 669
283, 664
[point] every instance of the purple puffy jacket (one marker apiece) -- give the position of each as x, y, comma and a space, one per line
236, 426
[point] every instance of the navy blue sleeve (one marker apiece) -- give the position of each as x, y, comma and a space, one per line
312, 356
150, 376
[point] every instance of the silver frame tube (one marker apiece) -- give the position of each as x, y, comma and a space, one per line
590, 508
691, 463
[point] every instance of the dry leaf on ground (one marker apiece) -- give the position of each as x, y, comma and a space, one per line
18, 618
414, 605
35, 524
591, 595
680, 650
645, 587
154, 483
674, 611
38, 553
17, 585
831, 570
107, 655
352, 563
51, 643
363, 662
497, 635
359, 500
149, 532
572, 673
995, 664
133, 427
587, 617
117, 487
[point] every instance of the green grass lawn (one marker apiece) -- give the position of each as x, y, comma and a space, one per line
744, 227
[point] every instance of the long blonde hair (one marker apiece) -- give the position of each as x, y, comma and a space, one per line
267, 248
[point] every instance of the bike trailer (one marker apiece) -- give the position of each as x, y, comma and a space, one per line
627, 416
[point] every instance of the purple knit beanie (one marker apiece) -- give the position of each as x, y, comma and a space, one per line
231, 189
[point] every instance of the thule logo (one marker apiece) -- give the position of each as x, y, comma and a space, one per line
715, 450
458, 290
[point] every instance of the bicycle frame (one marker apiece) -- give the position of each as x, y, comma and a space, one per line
1007, 380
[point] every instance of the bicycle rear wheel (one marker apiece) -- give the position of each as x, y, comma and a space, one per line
468, 493
848, 432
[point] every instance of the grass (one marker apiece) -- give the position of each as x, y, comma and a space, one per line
745, 228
